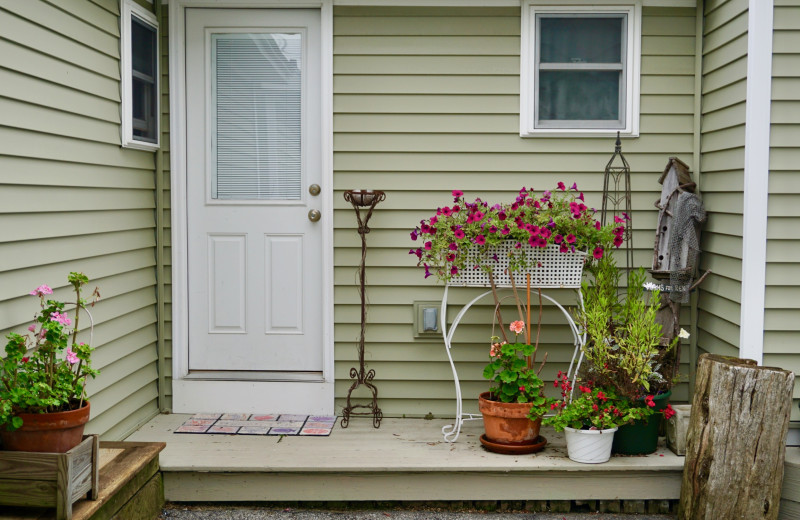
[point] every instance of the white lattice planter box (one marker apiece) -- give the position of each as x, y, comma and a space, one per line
548, 267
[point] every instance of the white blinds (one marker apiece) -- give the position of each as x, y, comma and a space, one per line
256, 116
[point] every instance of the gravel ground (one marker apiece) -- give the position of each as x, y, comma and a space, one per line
203, 512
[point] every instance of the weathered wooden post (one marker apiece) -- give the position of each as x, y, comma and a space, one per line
736, 440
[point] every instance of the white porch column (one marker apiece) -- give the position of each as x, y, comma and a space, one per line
756, 178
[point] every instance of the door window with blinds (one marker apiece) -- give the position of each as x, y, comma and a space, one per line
581, 72
256, 116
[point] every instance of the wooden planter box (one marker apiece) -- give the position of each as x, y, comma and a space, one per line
57, 480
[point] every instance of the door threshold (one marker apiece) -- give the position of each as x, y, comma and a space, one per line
254, 375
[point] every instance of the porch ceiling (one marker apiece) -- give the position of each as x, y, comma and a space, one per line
406, 459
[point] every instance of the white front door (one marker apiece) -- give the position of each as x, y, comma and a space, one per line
253, 172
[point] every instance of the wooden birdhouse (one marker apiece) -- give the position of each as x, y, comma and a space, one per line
675, 180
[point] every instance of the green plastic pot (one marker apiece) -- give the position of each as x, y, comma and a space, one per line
641, 437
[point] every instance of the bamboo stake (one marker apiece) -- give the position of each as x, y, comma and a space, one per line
497, 307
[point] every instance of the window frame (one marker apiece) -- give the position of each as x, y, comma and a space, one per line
131, 9
529, 70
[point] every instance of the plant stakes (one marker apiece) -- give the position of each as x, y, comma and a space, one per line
363, 199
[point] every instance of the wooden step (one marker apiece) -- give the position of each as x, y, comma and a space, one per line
405, 459
131, 487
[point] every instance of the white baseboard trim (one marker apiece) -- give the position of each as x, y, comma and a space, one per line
296, 397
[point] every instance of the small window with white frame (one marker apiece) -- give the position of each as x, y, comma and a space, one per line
140, 77
580, 69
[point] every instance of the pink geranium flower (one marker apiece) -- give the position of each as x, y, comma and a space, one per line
517, 326
72, 357
41, 291
61, 318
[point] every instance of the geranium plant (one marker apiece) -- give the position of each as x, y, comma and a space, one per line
624, 347
559, 217
595, 408
511, 370
45, 370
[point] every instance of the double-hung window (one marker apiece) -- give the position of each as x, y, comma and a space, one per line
580, 69
140, 92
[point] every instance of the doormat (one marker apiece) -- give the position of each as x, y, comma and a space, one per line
258, 424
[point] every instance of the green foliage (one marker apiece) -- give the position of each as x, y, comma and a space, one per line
514, 382
622, 350
46, 370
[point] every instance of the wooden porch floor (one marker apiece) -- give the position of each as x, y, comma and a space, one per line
405, 459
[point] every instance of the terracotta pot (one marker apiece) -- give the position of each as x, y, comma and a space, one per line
508, 423
56, 432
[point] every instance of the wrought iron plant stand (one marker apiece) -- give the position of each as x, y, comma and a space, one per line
367, 199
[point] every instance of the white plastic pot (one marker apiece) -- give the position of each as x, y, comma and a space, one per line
589, 446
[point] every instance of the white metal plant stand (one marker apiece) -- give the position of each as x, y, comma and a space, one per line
550, 269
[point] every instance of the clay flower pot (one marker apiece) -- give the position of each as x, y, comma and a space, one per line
56, 432
508, 423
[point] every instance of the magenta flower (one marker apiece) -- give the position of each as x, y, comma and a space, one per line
492, 229
581, 197
597, 253
505, 231
446, 211
571, 238
453, 246
618, 220
574, 186
414, 235
561, 186
618, 241
563, 248
41, 291
428, 246
459, 233
597, 224
501, 216
558, 239
458, 193
450, 257
434, 220
427, 270
480, 240
454, 270
32, 327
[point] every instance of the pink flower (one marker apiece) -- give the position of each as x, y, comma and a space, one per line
571, 238
41, 291
458, 193
618, 220
453, 246
517, 326
428, 246
617, 241
494, 350
72, 357
32, 327
597, 253
597, 224
561, 186
454, 270
61, 318
480, 240
459, 233
574, 186
522, 389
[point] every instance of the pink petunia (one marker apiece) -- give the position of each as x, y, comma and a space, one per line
454, 270
561, 186
618, 220
428, 246
597, 253
571, 238
32, 327
459, 233
574, 186
480, 240
458, 193
41, 291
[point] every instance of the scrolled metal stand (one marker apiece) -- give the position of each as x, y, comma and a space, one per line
363, 199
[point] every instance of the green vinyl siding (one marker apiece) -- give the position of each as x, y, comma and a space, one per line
782, 305
426, 100
722, 178
73, 200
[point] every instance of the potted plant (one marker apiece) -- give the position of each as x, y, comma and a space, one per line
624, 352
513, 408
590, 419
43, 404
465, 236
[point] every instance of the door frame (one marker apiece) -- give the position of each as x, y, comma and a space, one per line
192, 394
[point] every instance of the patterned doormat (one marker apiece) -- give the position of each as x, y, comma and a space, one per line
258, 424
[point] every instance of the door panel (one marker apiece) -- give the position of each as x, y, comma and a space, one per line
253, 149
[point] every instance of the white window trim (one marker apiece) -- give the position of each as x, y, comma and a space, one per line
130, 8
527, 66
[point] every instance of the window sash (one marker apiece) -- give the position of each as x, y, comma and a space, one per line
622, 66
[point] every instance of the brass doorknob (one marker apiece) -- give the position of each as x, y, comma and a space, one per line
314, 189
314, 215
